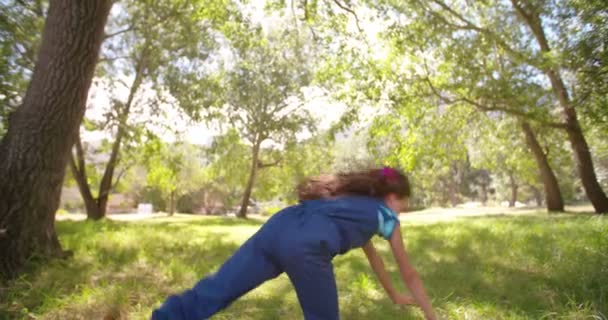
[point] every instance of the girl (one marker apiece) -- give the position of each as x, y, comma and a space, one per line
336, 213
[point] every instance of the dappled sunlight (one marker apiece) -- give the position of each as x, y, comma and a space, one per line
518, 265
143, 142
493, 267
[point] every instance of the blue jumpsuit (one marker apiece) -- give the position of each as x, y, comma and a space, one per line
301, 241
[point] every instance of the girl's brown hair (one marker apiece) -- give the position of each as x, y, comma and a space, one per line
372, 182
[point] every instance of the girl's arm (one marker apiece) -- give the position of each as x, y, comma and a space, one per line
378, 266
409, 275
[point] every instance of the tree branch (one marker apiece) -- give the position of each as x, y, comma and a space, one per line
261, 165
118, 177
109, 59
471, 26
113, 34
80, 157
351, 11
486, 108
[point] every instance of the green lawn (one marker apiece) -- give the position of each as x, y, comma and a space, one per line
527, 267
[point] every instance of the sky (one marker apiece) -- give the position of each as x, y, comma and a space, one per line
321, 107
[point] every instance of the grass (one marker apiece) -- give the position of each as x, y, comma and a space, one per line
526, 267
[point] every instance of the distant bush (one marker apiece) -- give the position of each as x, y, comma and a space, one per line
72, 206
268, 211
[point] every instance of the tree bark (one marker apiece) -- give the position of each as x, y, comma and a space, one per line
255, 152
453, 192
484, 183
79, 172
580, 148
106, 184
514, 189
484, 194
553, 194
172, 203
97, 207
537, 196
35, 150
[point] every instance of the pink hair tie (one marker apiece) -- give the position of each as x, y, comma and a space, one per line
389, 173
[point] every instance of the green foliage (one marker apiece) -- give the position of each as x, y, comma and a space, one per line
427, 142
498, 145
599, 149
227, 170
258, 93
172, 169
155, 196
61, 212
589, 58
526, 267
501, 147
298, 161
20, 29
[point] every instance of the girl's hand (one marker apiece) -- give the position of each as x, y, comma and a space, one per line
403, 300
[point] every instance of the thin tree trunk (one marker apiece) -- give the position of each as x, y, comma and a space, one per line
553, 194
255, 151
484, 194
484, 182
172, 203
514, 189
97, 207
35, 150
105, 186
452, 188
580, 148
537, 196
79, 173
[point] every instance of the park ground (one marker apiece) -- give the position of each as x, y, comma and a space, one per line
477, 263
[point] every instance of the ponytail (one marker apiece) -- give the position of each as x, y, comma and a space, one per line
373, 183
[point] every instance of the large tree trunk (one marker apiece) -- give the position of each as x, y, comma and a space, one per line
553, 194
255, 151
35, 150
514, 188
582, 156
586, 171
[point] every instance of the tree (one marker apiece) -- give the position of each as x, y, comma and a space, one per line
424, 141
41, 131
553, 194
530, 14
503, 143
300, 160
144, 38
20, 28
226, 172
172, 168
258, 93
492, 50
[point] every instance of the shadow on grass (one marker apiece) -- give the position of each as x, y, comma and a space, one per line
200, 220
116, 266
523, 265
503, 267
527, 267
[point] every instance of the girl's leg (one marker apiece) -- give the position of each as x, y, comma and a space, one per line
315, 284
246, 269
